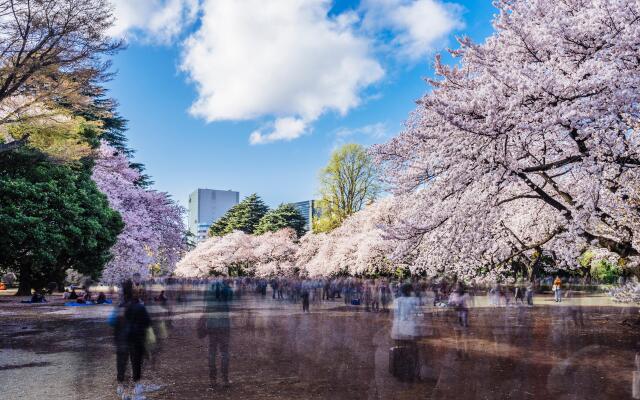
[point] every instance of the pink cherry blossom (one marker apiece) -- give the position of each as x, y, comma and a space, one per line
153, 231
529, 143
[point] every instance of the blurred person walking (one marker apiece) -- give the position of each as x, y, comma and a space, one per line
216, 324
403, 357
460, 299
131, 322
305, 298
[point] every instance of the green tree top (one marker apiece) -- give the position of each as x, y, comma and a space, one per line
52, 217
244, 217
285, 216
347, 184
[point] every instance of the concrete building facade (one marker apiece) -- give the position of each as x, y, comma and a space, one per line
207, 206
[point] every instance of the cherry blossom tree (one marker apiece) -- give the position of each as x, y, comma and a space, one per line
310, 252
529, 144
152, 236
275, 252
272, 253
218, 255
357, 247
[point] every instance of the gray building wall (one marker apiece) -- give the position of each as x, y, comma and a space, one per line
206, 206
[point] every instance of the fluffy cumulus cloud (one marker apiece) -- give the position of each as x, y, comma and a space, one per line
284, 58
282, 129
415, 27
154, 20
288, 60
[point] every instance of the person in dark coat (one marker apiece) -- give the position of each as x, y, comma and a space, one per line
305, 299
130, 322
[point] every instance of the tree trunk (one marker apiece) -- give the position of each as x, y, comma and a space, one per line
24, 280
24, 287
532, 268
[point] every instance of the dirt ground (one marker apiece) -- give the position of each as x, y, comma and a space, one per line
573, 351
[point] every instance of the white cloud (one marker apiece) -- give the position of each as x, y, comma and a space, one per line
375, 131
285, 59
417, 27
366, 134
154, 20
282, 58
282, 129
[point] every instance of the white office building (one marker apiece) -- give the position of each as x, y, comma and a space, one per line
207, 206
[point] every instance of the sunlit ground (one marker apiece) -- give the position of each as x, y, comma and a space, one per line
579, 349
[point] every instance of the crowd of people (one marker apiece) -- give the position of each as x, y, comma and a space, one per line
136, 335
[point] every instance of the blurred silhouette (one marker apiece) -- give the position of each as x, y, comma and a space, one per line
101, 299
161, 298
305, 299
130, 321
217, 326
529, 294
138, 288
635, 384
460, 300
403, 357
38, 297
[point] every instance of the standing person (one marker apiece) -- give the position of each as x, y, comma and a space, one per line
375, 302
130, 321
519, 294
460, 300
385, 295
403, 357
557, 286
326, 290
218, 299
368, 296
305, 298
274, 287
529, 294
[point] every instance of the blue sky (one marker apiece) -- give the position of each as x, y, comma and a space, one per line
181, 53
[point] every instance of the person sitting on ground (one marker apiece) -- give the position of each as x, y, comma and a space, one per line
66, 294
73, 295
101, 298
85, 298
161, 298
38, 297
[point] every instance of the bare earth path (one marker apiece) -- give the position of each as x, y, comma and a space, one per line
577, 350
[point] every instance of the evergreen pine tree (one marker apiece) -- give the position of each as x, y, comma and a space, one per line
285, 216
244, 217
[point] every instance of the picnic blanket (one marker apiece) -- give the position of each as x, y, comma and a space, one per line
76, 304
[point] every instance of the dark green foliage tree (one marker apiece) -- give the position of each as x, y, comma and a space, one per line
219, 227
285, 216
52, 218
244, 217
